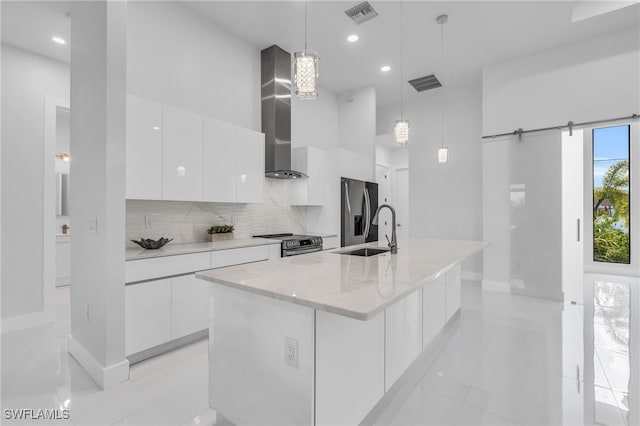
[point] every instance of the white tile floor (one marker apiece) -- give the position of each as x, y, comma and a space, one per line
508, 360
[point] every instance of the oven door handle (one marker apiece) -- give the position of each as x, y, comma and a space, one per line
293, 252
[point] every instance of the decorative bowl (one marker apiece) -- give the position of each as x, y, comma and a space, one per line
148, 243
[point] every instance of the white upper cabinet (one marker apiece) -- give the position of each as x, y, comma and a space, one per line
219, 157
309, 191
143, 149
173, 154
182, 162
249, 166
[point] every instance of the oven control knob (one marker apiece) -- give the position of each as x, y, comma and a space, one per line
292, 244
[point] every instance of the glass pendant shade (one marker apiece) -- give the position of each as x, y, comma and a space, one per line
305, 74
401, 132
443, 155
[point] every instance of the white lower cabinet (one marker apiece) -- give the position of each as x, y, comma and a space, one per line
189, 305
167, 266
164, 301
237, 256
147, 315
349, 367
433, 309
453, 292
403, 341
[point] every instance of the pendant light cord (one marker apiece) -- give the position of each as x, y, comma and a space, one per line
401, 62
443, 90
305, 27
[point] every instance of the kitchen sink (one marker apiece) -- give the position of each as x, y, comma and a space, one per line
366, 252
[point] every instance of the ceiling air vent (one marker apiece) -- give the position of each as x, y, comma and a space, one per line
427, 82
361, 12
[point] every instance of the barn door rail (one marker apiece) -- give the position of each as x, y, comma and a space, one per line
570, 125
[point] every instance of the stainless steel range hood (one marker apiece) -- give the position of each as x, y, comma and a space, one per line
276, 113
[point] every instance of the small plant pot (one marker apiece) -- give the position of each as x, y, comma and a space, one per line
221, 236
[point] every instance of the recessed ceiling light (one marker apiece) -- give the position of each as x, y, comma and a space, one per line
58, 40
352, 38
385, 68
155, 128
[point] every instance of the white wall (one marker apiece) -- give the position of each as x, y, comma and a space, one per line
178, 58
592, 80
388, 162
98, 105
357, 133
316, 123
445, 200
27, 80
395, 158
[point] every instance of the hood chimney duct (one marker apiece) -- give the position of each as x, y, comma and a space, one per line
276, 112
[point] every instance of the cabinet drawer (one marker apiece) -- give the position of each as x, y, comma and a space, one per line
239, 255
147, 315
189, 305
146, 269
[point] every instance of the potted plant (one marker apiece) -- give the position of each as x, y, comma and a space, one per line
220, 232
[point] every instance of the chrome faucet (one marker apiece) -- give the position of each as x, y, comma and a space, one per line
393, 244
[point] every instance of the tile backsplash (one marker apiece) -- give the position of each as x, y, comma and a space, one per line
187, 221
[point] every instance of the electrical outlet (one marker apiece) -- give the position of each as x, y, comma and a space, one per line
149, 221
291, 352
93, 225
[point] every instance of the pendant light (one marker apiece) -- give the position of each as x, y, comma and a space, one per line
402, 127
443, 152
305, 69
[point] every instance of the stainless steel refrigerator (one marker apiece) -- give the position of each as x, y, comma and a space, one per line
359, 204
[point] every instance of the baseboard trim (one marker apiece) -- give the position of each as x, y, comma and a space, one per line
498, 286
25, 321
166, 347
105, 377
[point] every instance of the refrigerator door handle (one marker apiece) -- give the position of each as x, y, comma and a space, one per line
367, 209
347, 197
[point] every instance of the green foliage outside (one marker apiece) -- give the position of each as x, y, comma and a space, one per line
610, 243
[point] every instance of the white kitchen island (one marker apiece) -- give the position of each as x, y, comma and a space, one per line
320, 338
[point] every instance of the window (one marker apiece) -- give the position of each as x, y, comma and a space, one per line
611, 201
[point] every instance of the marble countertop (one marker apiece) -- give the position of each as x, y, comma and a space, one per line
187, 248
352, 286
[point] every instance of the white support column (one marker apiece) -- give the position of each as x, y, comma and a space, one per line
98, 105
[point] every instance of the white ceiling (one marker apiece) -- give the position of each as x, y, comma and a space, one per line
31, 24
478, 33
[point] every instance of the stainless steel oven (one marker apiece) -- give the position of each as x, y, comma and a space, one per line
293, 245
